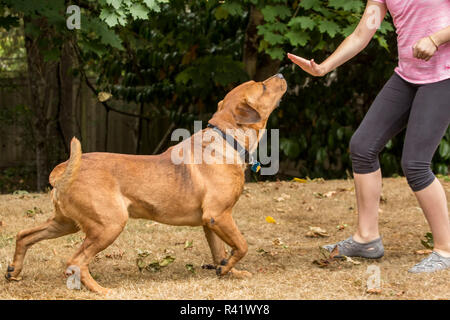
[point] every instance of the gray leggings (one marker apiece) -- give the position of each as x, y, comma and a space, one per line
423, 109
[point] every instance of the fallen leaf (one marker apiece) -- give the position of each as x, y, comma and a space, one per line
190, 267
299, 180
20, 192
278, 242
140, 263
329, 194
348, 259
400, 293
318, 195
166, 261
322, 263
425, 251
104, 96
153, 267
341, 226
142, 253
261, 251
280, 210
266, 253
269, 219
374, 291
188, 244
315, 232
115, 255
428, 242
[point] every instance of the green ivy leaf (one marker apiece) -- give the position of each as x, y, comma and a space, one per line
347, 5
276, 53
302, 22
382, 41
297, 38
329, 27
138, 11
153, 5
107, 35
271, 12
115, 3
386, 27
109, 16
271, 37
308, 4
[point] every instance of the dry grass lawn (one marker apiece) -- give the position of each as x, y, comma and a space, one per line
280, 271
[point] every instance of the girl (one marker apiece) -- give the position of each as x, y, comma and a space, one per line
416, 97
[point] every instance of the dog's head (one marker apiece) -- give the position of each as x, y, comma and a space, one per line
250, 104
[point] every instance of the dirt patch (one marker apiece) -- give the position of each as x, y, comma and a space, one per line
280, 256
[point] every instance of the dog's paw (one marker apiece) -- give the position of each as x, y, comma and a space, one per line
8, 275
240, 274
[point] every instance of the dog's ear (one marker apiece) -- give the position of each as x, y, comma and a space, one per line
220, 105
244, 114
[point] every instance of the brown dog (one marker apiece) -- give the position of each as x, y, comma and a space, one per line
98, 192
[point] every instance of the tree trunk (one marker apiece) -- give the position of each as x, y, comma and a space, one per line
41, 78
259, 66
66, 111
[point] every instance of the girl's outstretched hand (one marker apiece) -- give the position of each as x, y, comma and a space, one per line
308, 65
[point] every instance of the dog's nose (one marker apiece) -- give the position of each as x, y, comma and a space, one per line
279, 75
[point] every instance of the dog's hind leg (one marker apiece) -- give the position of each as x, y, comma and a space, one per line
98, 237
225, 228
56, 227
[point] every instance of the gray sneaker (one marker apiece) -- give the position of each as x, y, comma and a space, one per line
434, 262
350, 248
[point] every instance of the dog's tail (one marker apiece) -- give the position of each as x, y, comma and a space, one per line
64, 180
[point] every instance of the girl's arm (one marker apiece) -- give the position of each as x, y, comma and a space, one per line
351, 46
426, 47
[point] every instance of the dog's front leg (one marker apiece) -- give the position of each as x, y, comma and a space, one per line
224, 226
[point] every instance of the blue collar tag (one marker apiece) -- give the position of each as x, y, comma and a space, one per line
256, 166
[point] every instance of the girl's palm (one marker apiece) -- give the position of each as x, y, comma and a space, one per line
307, 65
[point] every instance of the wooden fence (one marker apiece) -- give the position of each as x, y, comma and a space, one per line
90, 120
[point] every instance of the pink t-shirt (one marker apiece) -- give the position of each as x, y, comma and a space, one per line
413, 20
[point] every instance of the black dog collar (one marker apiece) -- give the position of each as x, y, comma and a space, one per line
243, 153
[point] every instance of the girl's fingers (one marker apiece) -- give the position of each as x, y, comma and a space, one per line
297, 59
